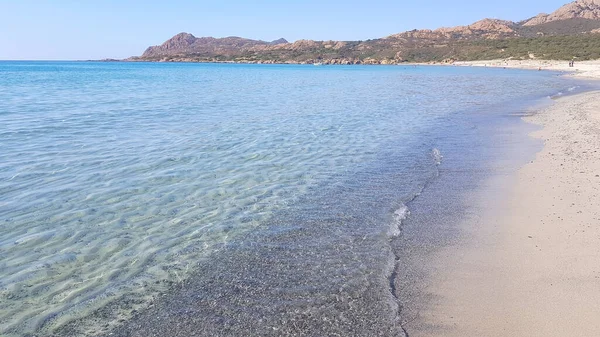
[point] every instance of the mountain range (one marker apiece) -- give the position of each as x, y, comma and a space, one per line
572, 31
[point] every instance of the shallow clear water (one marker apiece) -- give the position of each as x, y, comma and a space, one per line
120, 181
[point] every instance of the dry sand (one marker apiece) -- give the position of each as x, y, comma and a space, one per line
584, 69
530, 266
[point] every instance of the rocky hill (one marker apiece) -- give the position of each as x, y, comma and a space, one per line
185, 43
583, 9
569, 32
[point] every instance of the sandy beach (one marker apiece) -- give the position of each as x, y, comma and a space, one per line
581, 69
530, 265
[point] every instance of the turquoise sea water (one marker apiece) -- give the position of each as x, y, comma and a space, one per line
121, 182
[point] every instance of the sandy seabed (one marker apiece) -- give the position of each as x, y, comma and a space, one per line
530, 266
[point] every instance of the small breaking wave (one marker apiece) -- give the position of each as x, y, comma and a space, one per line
437, 156
399, 216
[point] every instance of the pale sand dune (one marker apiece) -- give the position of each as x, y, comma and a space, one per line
531, 267
587, 69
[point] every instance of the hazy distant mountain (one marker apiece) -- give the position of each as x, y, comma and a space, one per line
571, 31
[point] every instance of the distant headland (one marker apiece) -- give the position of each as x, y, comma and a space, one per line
573, 31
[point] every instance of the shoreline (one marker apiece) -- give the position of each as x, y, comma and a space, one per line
464, 161
589, 69
161, 317
529, 265
581, 69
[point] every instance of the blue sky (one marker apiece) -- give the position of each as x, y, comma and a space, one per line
70, 30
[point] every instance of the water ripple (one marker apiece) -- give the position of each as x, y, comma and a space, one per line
117, 179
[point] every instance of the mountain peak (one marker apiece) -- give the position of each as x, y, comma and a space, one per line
279, 41
181, 40
183, 35
492, 24
580, 9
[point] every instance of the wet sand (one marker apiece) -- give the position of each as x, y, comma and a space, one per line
529, 264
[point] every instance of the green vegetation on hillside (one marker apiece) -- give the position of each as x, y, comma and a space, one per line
557, 47
583, 47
